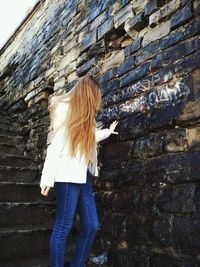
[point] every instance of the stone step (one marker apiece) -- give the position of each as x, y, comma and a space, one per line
39, 261
11, 140
26, 213
5, 118
18, 174
16, 160
6, 125
23, 192
12, 149
24, 242
8, 132
28, 245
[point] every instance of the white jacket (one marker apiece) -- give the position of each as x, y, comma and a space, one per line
58, 165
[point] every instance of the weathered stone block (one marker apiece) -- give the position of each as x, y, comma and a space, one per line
175, 141
167, 168
177, 198
156, 33
139, 5
147, 52
151, 7
105, 28
90, 39
97, 48
133, 47
146, 147
115, 59
190, 112
164, 11
181, 16
126, 66
193, 137
99, 20
138, 22
135, 74
131, 174
108, 75
129, 28
83, 69
186, 233
196, 6
110, 86
111, 152
122, 15
193, 165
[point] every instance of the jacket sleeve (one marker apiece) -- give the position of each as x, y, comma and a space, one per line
50, 164
102, 134
48, 171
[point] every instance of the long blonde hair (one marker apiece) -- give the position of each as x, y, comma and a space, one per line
80, 123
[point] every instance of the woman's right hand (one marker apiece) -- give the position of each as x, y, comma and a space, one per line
112, 127
45, 190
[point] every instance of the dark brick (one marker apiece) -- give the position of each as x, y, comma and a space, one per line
105, 28
130, 49
148, 146
175, 141
166, 260
107, 76
181, 16
138, 22
131, 174
187, 64
97, 48
193, 165
83, 69
176, 52
126, 66
133, 126
186, 231
151, 7
110, 152
163, 116
137, 256
109, 87
89, 40
111, 98
135, 74
177, 198
196, 5
148, 52
167, 168
192, 28
172, 38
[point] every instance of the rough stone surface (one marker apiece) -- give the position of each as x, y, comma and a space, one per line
145, 55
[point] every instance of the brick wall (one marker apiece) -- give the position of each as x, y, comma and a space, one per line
145, 55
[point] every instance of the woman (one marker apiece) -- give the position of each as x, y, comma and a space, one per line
70, 162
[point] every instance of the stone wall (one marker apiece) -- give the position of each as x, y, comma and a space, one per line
145, 55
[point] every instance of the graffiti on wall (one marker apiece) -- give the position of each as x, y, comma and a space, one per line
152, 96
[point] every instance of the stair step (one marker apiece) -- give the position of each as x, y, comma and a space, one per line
23, 192
5, 118
28, 243
39, 261
12, 140
18, 174
18, 243
16, 160
12, 149
8, 132
26, 213
10, 126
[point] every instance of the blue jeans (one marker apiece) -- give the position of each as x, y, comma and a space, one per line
70, 196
